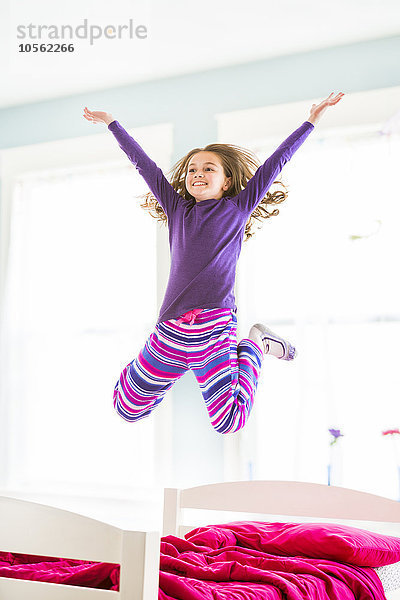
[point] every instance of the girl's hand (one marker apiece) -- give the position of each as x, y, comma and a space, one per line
317, 110
98, 116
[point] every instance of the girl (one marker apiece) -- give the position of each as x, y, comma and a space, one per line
209, 205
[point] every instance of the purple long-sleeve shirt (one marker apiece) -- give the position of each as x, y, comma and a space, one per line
205, 237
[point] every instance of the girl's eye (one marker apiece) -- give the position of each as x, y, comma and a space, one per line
190, 170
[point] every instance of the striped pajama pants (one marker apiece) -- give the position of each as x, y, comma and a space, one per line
203, 340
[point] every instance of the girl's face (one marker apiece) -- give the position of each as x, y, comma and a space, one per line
205, 177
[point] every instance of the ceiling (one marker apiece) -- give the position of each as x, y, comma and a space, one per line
182, 37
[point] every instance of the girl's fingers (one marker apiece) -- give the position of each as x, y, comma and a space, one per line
340, 94
334, 100
90, 117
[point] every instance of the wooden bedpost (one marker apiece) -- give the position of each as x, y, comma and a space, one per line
140, 565
172, 511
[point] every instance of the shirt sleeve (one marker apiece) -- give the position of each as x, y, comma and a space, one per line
256, 188
166, 195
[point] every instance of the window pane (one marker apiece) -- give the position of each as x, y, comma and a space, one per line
80, 301
322, 274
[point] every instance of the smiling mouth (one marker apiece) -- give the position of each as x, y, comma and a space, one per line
198, 184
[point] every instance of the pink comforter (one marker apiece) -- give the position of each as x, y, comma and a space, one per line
60, 570
238, 571
221, 565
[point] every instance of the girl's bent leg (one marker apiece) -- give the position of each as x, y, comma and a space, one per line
228, 378
145, 381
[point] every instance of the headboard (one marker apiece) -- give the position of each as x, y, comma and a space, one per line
290, 498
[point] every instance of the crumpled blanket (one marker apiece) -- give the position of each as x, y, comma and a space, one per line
60, 570
222, 563
228, 569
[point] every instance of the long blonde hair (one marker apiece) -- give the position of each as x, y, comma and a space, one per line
239, 164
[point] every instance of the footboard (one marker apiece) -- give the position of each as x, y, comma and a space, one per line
32, 528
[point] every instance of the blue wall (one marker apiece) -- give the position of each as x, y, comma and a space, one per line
194, 99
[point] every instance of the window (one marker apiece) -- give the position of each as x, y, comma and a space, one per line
323, 274
80, 300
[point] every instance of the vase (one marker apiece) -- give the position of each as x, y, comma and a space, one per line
335, 466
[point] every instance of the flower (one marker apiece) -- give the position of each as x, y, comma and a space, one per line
336, 435
391, 432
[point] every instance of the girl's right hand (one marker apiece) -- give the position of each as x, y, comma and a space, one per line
98, 116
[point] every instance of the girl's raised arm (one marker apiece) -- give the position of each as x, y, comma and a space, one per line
147, 168
256, 188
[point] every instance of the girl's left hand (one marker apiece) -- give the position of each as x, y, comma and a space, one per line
317, 110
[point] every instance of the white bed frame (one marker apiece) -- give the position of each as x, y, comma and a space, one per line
284, 498
289, 498
32, 528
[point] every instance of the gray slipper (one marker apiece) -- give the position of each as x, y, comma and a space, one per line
289, 351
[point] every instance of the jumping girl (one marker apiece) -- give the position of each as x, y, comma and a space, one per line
214, 195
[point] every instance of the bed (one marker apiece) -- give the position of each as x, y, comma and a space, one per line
38, 530
304, 503
44, 531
